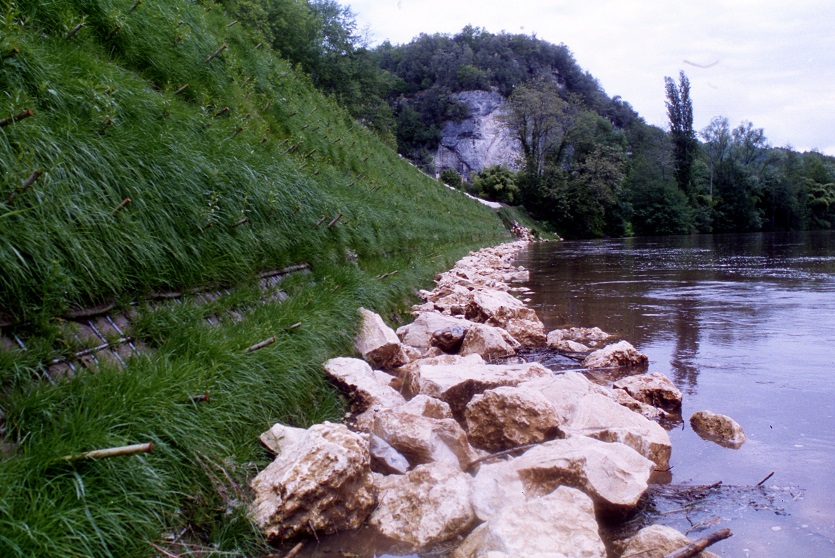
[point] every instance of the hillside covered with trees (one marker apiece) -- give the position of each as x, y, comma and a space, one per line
592, 166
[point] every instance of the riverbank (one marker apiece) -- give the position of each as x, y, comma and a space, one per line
448, 450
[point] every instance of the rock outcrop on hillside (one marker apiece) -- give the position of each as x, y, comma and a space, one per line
481, 140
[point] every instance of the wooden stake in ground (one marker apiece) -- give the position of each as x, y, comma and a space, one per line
111, 452
17, 117
694, 548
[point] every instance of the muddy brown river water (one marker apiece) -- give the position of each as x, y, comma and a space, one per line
745, 326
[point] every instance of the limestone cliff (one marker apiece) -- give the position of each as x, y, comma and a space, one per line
481, 140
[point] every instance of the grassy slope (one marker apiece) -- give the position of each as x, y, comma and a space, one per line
108, 125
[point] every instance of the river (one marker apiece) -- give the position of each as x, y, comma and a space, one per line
745, 326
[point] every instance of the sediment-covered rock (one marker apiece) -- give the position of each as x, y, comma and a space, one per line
591, 336
430, 504
320, 483
618, 354
597, 416
718, 428
489, 342
613, 475
653, 389
361, 383
378, 343
508, 417
559, 524
656, 541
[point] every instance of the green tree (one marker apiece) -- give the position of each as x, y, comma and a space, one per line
497, 183
680, 114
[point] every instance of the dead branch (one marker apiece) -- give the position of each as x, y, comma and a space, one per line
165, 552
25, 186
123, 204
215, 54
73, 31
111, 452
295, 550
771, 474
261, 345
335, 220
16, 118
694, 548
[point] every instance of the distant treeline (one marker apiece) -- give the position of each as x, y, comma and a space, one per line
592, 166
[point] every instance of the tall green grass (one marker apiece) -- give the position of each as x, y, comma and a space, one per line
109, 126
217, 195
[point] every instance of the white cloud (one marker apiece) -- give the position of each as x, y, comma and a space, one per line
776, 59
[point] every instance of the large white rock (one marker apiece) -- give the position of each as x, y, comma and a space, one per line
591, 336
558, 525
653, 389
489, 342
321, 483
618, 354
385, 459
718, 428
501, 309
281, 436
418, 334
430, 504
421, 437
613, 475
597, 416
508, 417
456, 384
364, 387
656, 541
564, 392
378, 343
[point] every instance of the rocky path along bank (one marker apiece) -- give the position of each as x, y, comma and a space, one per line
445, 449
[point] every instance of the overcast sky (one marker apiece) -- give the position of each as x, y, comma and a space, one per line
768, 61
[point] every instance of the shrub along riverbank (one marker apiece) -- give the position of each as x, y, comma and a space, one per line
149, 147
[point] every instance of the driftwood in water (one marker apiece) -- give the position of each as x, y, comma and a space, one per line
695, 547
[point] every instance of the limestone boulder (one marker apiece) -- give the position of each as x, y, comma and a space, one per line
321, 483
530, 333
418, 334
456, 384
620, 354
448, 339
718, 428
421, 438
564, 392
620, 397
568, 346
591, 336
365, 387
508, 417
489, 342
597, 416
656, 541
378, 343
501, 309
613, 475
281, 436
653, 389
428, 505
557, 525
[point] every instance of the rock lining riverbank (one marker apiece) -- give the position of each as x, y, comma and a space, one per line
444, 446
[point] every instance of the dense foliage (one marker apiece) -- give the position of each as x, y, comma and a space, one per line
591, 166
